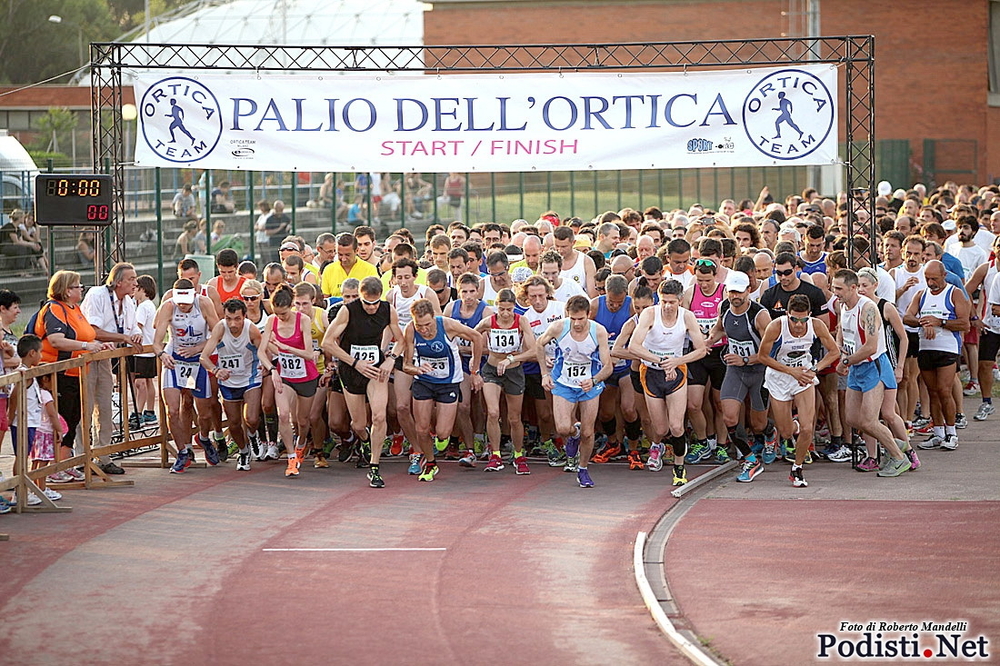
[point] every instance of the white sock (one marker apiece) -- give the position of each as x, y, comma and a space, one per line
950, 429
939, 430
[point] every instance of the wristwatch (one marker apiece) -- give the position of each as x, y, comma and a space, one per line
510, 358
746, 360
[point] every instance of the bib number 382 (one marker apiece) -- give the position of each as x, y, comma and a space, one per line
292, 366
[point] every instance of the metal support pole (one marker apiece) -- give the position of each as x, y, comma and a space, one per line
572, 194
619, 189
295, 187
520, 194
208, 212
434, 193
548, 190
157, 182
253, 222
596, 195
493, 197
467, 203
49, 167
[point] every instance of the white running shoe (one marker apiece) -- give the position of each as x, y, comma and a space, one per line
272, 452
51, 494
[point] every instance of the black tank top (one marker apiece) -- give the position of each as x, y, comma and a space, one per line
363, 328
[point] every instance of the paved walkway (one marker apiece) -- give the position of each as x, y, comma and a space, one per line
758, 577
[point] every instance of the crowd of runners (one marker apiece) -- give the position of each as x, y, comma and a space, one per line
758, 331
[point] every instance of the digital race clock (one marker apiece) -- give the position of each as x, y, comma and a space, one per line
83, 200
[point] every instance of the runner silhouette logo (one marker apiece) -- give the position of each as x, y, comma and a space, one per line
789, 114
181, 119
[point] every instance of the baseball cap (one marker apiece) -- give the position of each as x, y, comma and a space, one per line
884, 188
183, 296
521, 274
949, 225
294, 247
737, 281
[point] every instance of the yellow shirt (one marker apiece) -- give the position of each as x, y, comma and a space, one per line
387, 280
518, 264
334, 276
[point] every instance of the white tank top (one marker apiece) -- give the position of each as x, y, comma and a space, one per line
238, 355
666, 342
539, 322
852, 333
187, 329
902, 275
578, 273
402, 304
792, 351
940, 306
990, 322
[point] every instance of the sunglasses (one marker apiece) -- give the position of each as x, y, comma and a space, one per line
704, 262
441, 290
784, 273
251, 298
367, 302
798, 320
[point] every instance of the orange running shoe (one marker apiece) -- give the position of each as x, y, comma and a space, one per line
294, 461
635, 460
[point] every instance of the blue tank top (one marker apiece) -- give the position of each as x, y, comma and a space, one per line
810, 267
471, 322
613, 322
441, 352
576, 360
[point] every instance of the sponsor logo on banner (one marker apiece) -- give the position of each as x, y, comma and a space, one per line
789, 114
181, 119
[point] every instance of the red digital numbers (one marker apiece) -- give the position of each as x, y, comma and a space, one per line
98, 213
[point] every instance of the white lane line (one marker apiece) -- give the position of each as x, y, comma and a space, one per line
347, 550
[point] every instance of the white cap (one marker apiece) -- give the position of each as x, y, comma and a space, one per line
949, 225
183, 296
884, 188
737, 281
520, 274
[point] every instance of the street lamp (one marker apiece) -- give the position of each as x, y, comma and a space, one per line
129, 114
55, 18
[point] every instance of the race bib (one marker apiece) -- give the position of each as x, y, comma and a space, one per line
439, 367
740, 348
663, 357
186, 374
849, 347
504, 341
365, 353
799, 359
231, 362
575, 374
292, 366
706, 324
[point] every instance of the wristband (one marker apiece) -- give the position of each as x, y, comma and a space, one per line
355, 364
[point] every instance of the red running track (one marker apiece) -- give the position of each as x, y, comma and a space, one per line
174, 571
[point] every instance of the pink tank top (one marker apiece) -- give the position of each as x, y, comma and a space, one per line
706, 309
293, 368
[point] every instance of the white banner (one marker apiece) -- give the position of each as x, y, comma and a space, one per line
490, 122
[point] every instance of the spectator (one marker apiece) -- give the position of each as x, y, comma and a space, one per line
10, 308
185, 205
222, 199
185, 242
358, 212
454, 190
85, 248
13, 245
65, 334
260, 234
276, 227
31, 233
111, 312
417, 192
143, 368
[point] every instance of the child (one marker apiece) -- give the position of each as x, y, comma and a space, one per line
29, 348
49, 429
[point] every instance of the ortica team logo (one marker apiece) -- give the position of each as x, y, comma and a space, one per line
437, 346
181, 119
788, 114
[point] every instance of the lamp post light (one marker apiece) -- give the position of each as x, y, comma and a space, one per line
55, 18
129, 114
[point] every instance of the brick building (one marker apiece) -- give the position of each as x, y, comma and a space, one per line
934, 84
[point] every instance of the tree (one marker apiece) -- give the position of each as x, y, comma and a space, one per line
56, 123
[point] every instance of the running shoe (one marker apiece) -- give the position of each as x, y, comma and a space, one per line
869, 464
58, 477
827, 451
469, 459
911, 455
243, 461
52, 494
553, 455
635, 460
654, 463
920, 421
148, 417
396, 446
416, 461
972, 388
894, 467
573, 443
961, 421
134, 422
257, 450
809, 456
795, 476
934, 442
33, 500
211, 455
611, 450
751, 469
233, 449
788, 451
181, 464
950, 442
495, 464
842, 454
572, 464
583, 478
430, 470
346, 448
5, 506
680, 475
320, 461
985, 410
521, 466
221, 448
272, 452
293, 465
374, 479
699, 452
76, 474
721, 455
770, 452
363, 449
925, 429
440, 446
